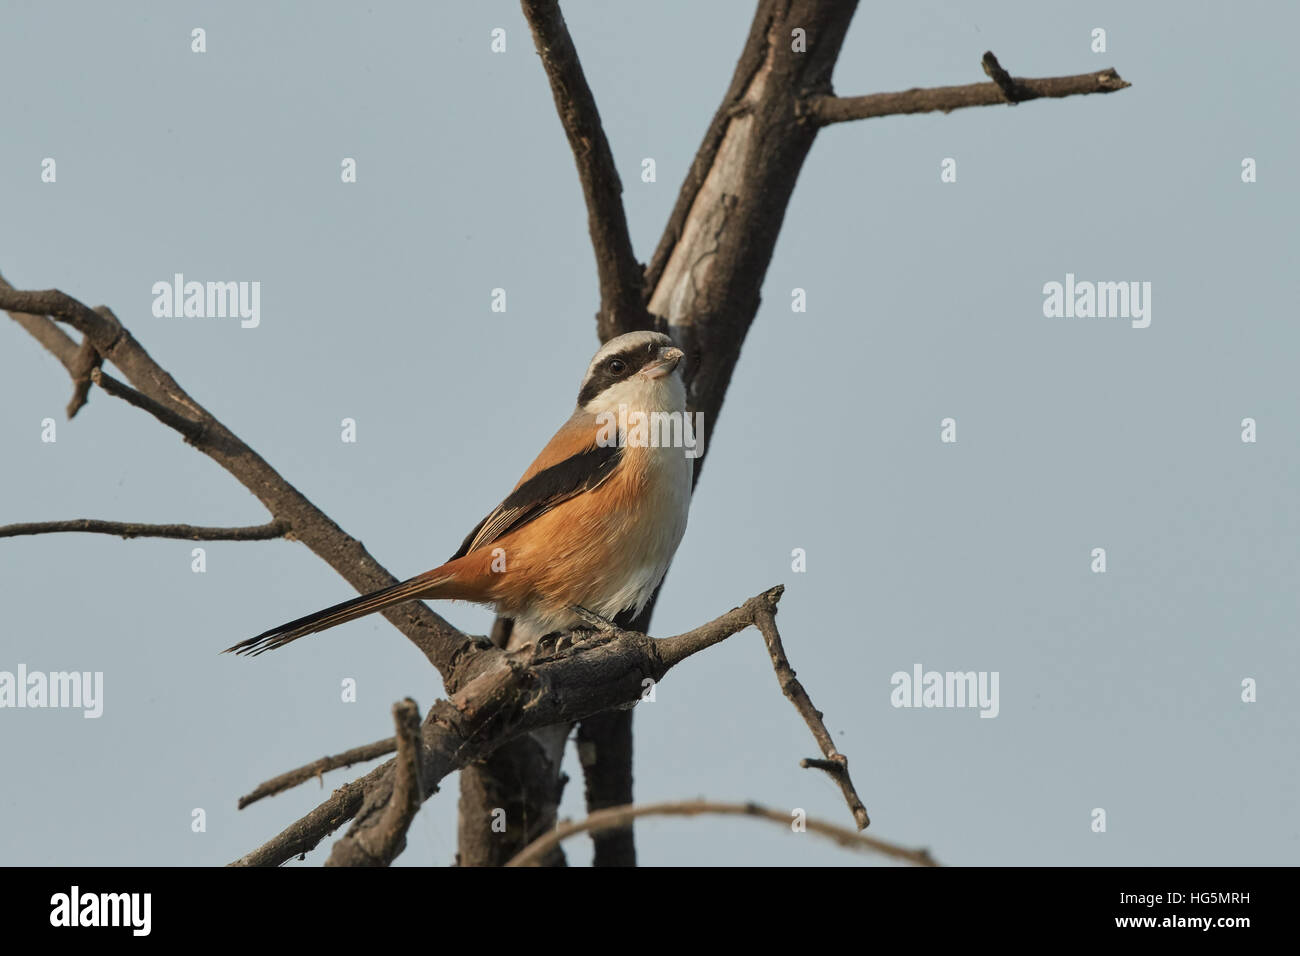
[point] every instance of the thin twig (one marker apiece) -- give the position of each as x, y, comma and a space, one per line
839, 109
305, 833
129, 529
317, 768
790, 686
673, 650
817, 763
1006, 83
85, 364
616, 817
188, 427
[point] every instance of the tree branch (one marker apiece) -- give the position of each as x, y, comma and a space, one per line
127, 529
47, 333
616, 817
190, 429
673, 650
826, 109
509, 798
622, 308
508, 694
87, 362
380, 844
317, 768
836, 764
154, 390
1013, 92
605, 753
305, 833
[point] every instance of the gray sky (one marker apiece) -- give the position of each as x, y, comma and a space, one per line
1119, 690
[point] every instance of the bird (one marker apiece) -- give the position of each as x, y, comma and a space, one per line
590, 528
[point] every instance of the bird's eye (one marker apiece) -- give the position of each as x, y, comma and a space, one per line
617, 366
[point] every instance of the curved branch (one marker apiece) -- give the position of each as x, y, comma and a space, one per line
618, 817
128, 529
622, 308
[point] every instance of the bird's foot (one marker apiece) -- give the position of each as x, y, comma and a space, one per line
602, 624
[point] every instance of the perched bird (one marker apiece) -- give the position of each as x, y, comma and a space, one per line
589, 529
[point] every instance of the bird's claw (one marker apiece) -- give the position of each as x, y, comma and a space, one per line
602, 624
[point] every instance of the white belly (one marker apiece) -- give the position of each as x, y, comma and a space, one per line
656, 531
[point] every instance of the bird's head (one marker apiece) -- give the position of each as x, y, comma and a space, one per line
639, 370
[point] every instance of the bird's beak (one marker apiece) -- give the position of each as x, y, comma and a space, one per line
668, 359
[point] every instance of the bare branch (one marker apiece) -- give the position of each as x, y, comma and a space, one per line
817, 763
87, 362
502, 696
191, 430
523, 779
47, 332
1002, 78
154, 390
839, 109
317, 768
127, 529
616, 817
674, 650
836, 764
305, 833
380, 844
515, 694
101, 329
605, 753
622, 308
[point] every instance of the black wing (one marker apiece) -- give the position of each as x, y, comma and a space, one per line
542, 492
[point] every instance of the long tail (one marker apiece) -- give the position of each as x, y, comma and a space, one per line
421, 586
